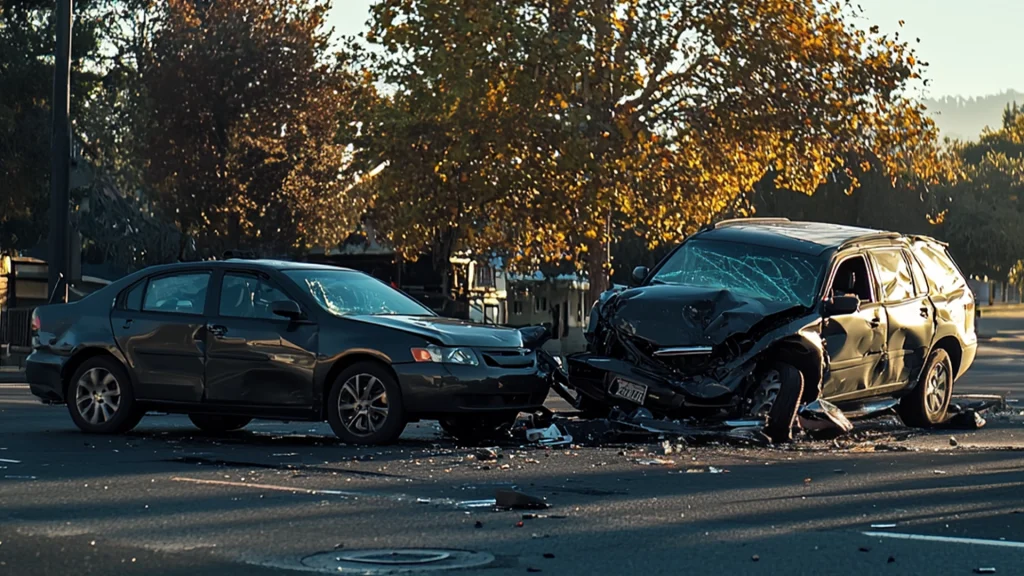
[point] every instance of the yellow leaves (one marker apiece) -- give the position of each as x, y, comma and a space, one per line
590, 234
563, 104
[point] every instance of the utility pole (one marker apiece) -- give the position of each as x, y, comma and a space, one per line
60, 151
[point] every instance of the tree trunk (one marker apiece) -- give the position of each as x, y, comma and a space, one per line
597, 272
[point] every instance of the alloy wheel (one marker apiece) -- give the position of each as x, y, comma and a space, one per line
938, 387
767, 392
97, 396
363, 404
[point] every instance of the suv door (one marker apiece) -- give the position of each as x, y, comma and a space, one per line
910, 313
855, 342
159, 324
255, 357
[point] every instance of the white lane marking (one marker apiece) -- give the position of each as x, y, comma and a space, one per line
255, 486
946, 539
6, 461
13, 386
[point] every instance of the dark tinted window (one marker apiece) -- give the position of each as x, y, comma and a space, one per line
133, 301
852, 279
247, 296
178, 293
940, 270
894, 276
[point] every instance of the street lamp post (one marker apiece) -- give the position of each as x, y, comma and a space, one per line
60, 151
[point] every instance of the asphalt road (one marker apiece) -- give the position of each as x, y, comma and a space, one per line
169, 500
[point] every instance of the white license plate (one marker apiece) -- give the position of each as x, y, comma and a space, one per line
635, 393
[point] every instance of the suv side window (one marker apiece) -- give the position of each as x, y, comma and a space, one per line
177, 293
248, 296
942, 274
894, 275
920, 282
852, 278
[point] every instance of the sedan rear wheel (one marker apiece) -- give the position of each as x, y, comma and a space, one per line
365, 405
100, 398
219, 424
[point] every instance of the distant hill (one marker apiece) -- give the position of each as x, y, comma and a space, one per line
965, 118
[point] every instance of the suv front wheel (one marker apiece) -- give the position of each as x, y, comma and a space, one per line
927, 403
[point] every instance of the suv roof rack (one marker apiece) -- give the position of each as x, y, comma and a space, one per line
737, 221
869, 237
924, 238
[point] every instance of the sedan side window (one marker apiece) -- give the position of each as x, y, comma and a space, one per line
177, 293
133, 300
894, 276
247, 296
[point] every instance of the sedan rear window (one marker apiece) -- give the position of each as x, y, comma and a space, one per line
349, 293
177, 293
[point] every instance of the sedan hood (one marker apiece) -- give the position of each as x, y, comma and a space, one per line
450, 331
677, 315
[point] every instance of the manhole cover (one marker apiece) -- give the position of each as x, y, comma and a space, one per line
395, 561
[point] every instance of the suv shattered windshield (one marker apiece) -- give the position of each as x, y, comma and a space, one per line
754, 271
348, 293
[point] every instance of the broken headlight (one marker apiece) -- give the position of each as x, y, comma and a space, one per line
445, 355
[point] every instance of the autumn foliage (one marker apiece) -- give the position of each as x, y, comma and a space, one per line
546, 129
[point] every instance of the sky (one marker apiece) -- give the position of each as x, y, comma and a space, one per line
972, 46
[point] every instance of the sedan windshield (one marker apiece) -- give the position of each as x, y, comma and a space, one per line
755, 271
350, 293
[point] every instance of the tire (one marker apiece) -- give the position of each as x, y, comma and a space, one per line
219, 424
101, 399
478, 427
365, 405
927, 403
777, 396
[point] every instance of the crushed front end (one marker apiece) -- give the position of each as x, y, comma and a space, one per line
679, 351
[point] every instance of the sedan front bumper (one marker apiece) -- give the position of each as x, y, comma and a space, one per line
431, 390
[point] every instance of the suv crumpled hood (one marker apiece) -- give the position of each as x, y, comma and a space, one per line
450, 331
678, 315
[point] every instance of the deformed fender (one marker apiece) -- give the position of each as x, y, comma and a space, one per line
799, 344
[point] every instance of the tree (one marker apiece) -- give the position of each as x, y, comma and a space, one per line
985, 207
26, 87
551, 128
243, 147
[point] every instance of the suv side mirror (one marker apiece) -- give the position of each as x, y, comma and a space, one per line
639, 275
287, 309
842, 305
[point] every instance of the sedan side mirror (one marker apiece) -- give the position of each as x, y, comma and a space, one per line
842, 305
286, 309
639, 275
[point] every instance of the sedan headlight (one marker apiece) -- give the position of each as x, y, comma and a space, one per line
443, 355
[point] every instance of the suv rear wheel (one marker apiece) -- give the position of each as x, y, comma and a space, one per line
927, 403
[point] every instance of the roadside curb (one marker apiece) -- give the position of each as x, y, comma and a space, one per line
982, 310
12, 376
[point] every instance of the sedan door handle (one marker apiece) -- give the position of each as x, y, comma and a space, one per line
875, 322
216, 329
924, 312
127, 324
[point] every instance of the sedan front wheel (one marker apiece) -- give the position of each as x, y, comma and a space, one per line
365, 405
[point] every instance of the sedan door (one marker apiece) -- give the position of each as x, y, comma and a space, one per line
911, 315
255, 357
160, 327
855, 343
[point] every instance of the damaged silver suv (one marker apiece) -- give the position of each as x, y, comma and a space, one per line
752, 318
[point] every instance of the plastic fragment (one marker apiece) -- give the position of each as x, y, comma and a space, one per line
514, 499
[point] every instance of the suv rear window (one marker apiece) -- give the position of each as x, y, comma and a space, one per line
942, 274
